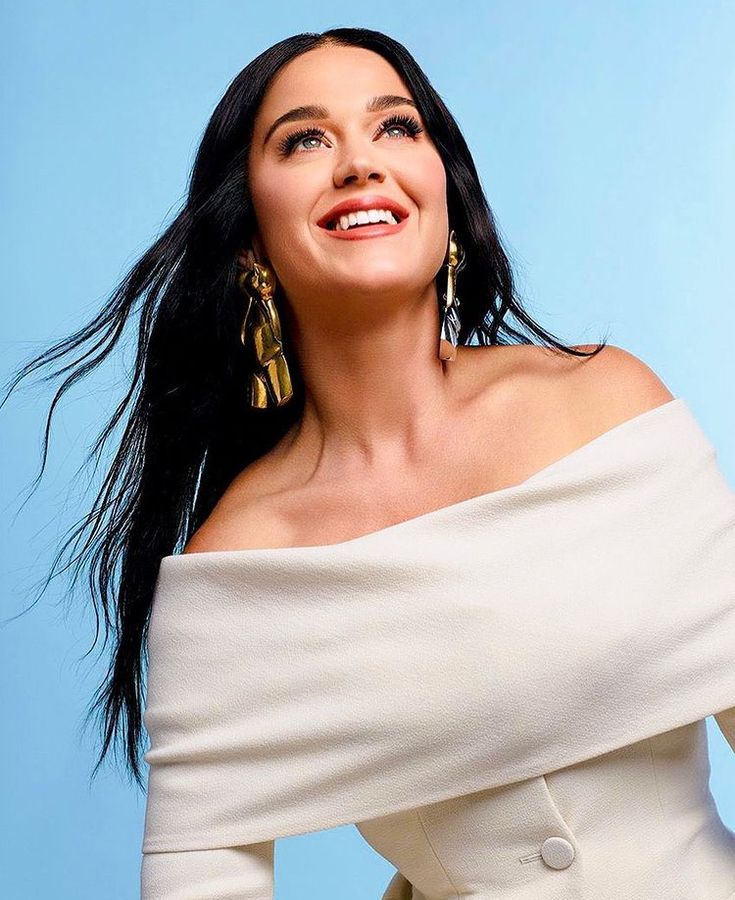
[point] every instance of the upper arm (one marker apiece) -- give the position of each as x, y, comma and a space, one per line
222, 873
613, 386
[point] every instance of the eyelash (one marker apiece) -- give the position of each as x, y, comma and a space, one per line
287, 144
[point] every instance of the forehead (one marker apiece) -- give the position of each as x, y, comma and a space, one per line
339, 78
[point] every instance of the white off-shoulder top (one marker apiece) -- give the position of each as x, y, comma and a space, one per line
506, 695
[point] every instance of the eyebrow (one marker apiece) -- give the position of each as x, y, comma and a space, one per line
299, 113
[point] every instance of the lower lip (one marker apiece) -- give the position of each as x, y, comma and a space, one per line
378, 229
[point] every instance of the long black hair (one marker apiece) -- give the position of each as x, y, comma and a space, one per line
190, 430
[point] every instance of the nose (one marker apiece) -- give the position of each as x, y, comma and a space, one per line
357, 165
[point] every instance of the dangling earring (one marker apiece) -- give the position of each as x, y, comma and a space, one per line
261, 327
449, 313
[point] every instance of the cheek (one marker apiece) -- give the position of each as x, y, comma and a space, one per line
280, 199
428, 180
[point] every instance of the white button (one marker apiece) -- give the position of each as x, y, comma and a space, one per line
557, 852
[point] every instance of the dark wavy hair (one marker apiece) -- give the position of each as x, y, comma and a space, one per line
190, 429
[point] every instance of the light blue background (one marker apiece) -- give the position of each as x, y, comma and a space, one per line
604, 135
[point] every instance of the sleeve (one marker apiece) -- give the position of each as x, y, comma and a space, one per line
223, 873
726, 723
399, 888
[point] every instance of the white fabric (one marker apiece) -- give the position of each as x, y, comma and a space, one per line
492, 641
638, 823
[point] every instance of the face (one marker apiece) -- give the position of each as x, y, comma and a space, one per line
295, 178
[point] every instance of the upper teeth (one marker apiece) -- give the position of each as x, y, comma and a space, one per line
364, 216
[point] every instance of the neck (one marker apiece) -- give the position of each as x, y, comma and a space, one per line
377, 394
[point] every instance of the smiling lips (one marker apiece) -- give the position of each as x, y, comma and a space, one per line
374, 229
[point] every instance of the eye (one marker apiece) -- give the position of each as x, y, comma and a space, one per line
408, 123
286, 145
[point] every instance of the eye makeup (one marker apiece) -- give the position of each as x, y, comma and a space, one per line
410, 124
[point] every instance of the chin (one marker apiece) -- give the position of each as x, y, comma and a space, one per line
381, 270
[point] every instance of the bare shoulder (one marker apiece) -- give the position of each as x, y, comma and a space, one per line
567, 400
606, 388
246, 507
611, 387
233, 518
554, 401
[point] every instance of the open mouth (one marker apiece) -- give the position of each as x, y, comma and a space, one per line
332, 224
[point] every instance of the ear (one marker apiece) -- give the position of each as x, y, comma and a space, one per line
246, 258
252, 253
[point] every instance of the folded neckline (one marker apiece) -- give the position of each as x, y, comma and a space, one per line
468, 502
483, 644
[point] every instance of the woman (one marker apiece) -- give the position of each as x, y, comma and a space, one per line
345, 470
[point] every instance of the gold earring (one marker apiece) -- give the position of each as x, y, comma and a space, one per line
449, 313
261, 327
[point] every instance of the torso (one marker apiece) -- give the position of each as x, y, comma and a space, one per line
521, 408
